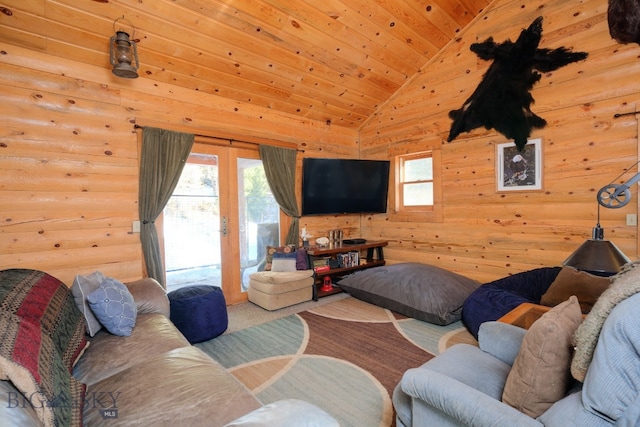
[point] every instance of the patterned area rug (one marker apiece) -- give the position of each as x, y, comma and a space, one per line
346, 357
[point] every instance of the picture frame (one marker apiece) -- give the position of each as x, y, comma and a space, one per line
519, 171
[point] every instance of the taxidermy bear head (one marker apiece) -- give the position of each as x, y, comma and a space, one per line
502, 100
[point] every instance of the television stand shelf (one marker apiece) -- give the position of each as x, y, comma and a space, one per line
374, 258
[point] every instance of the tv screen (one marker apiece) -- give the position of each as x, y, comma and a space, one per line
344, 186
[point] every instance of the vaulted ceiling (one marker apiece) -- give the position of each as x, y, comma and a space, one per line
331, 60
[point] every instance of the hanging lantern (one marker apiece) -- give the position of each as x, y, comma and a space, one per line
123, 54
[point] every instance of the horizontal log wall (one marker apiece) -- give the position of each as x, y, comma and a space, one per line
487, 234
69, 157
69, 154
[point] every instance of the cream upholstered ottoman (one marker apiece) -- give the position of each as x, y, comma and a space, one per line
272, 290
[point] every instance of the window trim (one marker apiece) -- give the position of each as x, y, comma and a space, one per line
401, 184
432, 213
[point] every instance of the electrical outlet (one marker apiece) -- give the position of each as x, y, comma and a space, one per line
632, 219
135, 227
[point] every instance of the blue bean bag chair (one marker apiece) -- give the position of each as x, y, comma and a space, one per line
199, 312
493, 300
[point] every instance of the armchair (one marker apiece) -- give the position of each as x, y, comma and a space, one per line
463, 386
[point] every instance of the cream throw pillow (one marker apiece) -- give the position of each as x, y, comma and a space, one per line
540, 374
283, 264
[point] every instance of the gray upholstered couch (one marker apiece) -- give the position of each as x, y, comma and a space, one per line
152, 377
464, 385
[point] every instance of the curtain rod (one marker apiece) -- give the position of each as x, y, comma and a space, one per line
231, 140
624, 114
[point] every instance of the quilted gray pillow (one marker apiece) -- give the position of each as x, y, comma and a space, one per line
82, 287
113, 305
421, 291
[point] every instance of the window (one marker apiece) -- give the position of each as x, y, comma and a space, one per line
417, 187
416, 182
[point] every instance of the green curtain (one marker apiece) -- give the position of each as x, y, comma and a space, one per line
280, 168
164, 154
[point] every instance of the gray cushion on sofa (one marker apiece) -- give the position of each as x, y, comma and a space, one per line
81, 288
421, 291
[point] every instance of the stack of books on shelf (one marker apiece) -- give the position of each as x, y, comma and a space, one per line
350, 259
320, 265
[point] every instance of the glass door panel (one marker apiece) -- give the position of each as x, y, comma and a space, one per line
258, 214
191, 224
219, 221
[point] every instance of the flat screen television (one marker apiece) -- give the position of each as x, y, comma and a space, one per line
344, 186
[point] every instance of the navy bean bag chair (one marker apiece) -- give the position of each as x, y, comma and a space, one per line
199, 312
493, 300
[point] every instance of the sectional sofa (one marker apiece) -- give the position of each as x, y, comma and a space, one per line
55, 372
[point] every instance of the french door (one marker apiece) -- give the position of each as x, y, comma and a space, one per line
219, 220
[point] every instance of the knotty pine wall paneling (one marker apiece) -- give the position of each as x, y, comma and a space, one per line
69, 157
486, 234
69, 162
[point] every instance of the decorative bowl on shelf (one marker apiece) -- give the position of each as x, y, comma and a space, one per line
322, 241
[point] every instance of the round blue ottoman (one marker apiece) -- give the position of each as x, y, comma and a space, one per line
199, 312
493, 300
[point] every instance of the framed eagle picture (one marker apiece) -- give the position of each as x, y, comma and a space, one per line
519, 170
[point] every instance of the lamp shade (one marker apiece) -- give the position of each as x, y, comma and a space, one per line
600, 256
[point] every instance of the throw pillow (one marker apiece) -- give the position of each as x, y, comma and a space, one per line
570, 281
271, 250
302, 260
421, 291
113, 305
81, 288
284, 261
283, 264
540, 374
285, 255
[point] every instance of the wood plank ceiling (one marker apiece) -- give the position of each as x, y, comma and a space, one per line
331, 60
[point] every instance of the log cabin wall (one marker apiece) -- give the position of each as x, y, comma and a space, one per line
487, 234
69, 157
69, 154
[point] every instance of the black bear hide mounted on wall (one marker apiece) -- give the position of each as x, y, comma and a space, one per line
623, 17
502, 100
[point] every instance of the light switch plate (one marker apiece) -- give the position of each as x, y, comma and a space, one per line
135, 227
632, 219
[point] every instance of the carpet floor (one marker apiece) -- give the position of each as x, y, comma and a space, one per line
345, 356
